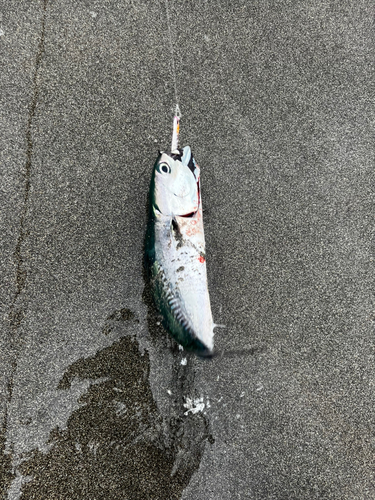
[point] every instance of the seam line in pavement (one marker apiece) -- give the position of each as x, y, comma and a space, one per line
16, 315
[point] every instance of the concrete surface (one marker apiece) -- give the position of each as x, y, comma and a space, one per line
277, 99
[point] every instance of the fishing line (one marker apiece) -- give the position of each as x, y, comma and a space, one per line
172, 51
177, 113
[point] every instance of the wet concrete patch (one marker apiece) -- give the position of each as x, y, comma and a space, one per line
117, 445
118, 317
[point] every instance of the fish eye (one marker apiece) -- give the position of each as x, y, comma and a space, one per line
164, 168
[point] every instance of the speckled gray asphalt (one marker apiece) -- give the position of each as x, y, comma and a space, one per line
277, 101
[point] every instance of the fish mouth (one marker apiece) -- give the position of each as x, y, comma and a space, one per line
176, 155
191, 165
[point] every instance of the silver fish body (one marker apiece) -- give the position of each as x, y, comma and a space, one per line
175, 251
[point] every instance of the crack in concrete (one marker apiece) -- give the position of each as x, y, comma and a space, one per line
21, 274
15, 315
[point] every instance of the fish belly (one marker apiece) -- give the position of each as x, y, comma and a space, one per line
191, 282
180, 281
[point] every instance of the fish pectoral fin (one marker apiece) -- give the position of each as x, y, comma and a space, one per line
175, 226
176, 233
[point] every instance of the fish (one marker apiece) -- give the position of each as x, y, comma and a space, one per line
175, 251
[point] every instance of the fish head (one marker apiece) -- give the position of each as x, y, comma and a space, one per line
175, 184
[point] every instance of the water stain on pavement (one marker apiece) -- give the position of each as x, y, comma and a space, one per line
117, 445
117, 317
